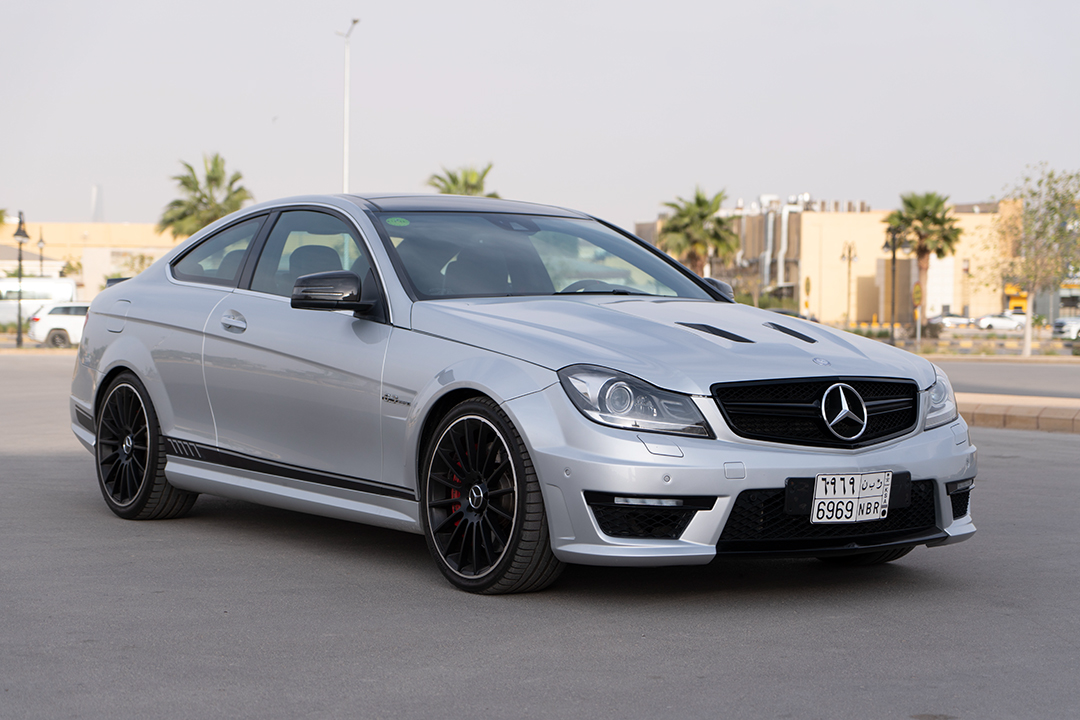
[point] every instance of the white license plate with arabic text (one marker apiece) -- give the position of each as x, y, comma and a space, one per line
857, 497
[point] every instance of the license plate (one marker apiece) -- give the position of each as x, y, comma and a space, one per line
858, 497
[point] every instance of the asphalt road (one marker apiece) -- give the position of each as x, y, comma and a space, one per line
1014, 378
244, 612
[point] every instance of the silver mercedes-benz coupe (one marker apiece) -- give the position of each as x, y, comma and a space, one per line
525, 385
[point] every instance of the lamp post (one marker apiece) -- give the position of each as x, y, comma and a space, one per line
22, 237
850, 256
41, 254
345, 161
895, 232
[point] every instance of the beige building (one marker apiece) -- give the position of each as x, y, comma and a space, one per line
95, 250
828, 259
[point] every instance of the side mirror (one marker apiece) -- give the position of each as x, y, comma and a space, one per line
335, 290
723, 288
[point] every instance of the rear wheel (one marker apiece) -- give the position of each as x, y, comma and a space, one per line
879, 557
130, 455
482, 510
58, 339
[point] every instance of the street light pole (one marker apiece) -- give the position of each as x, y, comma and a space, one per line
41, 253
850, 256
894, 234
22, 237
345, 161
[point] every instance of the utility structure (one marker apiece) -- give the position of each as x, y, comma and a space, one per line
22, 237
895, 233
849, 256
345, 161
41, 253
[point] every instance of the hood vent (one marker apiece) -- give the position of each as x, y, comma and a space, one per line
716, 331
789, 331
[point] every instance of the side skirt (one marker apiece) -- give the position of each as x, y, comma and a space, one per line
202, 469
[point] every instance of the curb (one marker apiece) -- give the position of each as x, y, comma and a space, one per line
1020, 412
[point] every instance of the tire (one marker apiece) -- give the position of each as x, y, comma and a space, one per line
481, 506
879, 557
130, 456
58, 339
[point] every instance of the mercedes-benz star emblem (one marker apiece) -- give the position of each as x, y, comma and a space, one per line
844, 412
476, 497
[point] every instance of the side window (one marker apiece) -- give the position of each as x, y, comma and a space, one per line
79, 310
305, 242
217, 259
60, 311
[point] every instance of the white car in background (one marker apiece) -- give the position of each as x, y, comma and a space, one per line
1001, 321
60, 324
1067, 328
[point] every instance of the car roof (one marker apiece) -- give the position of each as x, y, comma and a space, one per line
429, 202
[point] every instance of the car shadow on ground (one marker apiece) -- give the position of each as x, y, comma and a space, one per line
733, 578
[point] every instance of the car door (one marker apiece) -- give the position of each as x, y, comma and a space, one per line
296, 393
170, 324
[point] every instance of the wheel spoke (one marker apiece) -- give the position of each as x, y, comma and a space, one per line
497, 532
499, 471
446, 482
110, 458
499, 511
445, 525
475, 547
445, 502
461, 448
500, 492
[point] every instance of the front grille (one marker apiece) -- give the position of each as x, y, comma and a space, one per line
789, 411
960, 504
645, 521
759, 522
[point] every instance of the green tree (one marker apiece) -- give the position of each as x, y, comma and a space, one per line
694, 227
3, 217
203, 201
925, 224
466, 180
1038, 235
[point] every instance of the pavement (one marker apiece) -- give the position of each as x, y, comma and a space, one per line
1014, 412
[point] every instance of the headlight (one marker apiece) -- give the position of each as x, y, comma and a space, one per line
942, 401
618, 400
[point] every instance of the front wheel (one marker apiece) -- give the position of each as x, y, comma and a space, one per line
130, 454
482, 510
58, 339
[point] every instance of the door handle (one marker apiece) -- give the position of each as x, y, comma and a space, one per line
234, 321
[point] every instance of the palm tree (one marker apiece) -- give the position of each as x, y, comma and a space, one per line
924, 222
203, 201
466, 180
694, 227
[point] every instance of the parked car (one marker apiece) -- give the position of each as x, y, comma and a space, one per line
525, 386
59, 325
1002, 321
1067, 328
949, 320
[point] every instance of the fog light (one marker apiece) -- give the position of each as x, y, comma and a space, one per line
652, 502
958, 486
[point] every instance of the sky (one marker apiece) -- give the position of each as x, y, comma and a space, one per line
610, 107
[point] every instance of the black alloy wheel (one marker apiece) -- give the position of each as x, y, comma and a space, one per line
482, 511
130, 454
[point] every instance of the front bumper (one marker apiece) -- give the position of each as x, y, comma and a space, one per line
574, 456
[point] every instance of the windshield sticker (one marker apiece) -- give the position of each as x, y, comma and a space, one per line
399, 222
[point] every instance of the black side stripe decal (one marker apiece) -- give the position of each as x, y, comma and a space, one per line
230, 459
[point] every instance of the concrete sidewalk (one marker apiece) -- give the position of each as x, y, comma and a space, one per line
1020, 412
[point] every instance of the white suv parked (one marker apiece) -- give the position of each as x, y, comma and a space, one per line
59, 325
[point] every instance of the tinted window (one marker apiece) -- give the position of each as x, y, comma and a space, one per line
217, 260
474, 254
79, 310
62, 310
305, 242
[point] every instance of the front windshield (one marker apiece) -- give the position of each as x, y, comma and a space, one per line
489, 254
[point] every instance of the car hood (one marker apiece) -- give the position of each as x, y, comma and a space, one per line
644, 337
